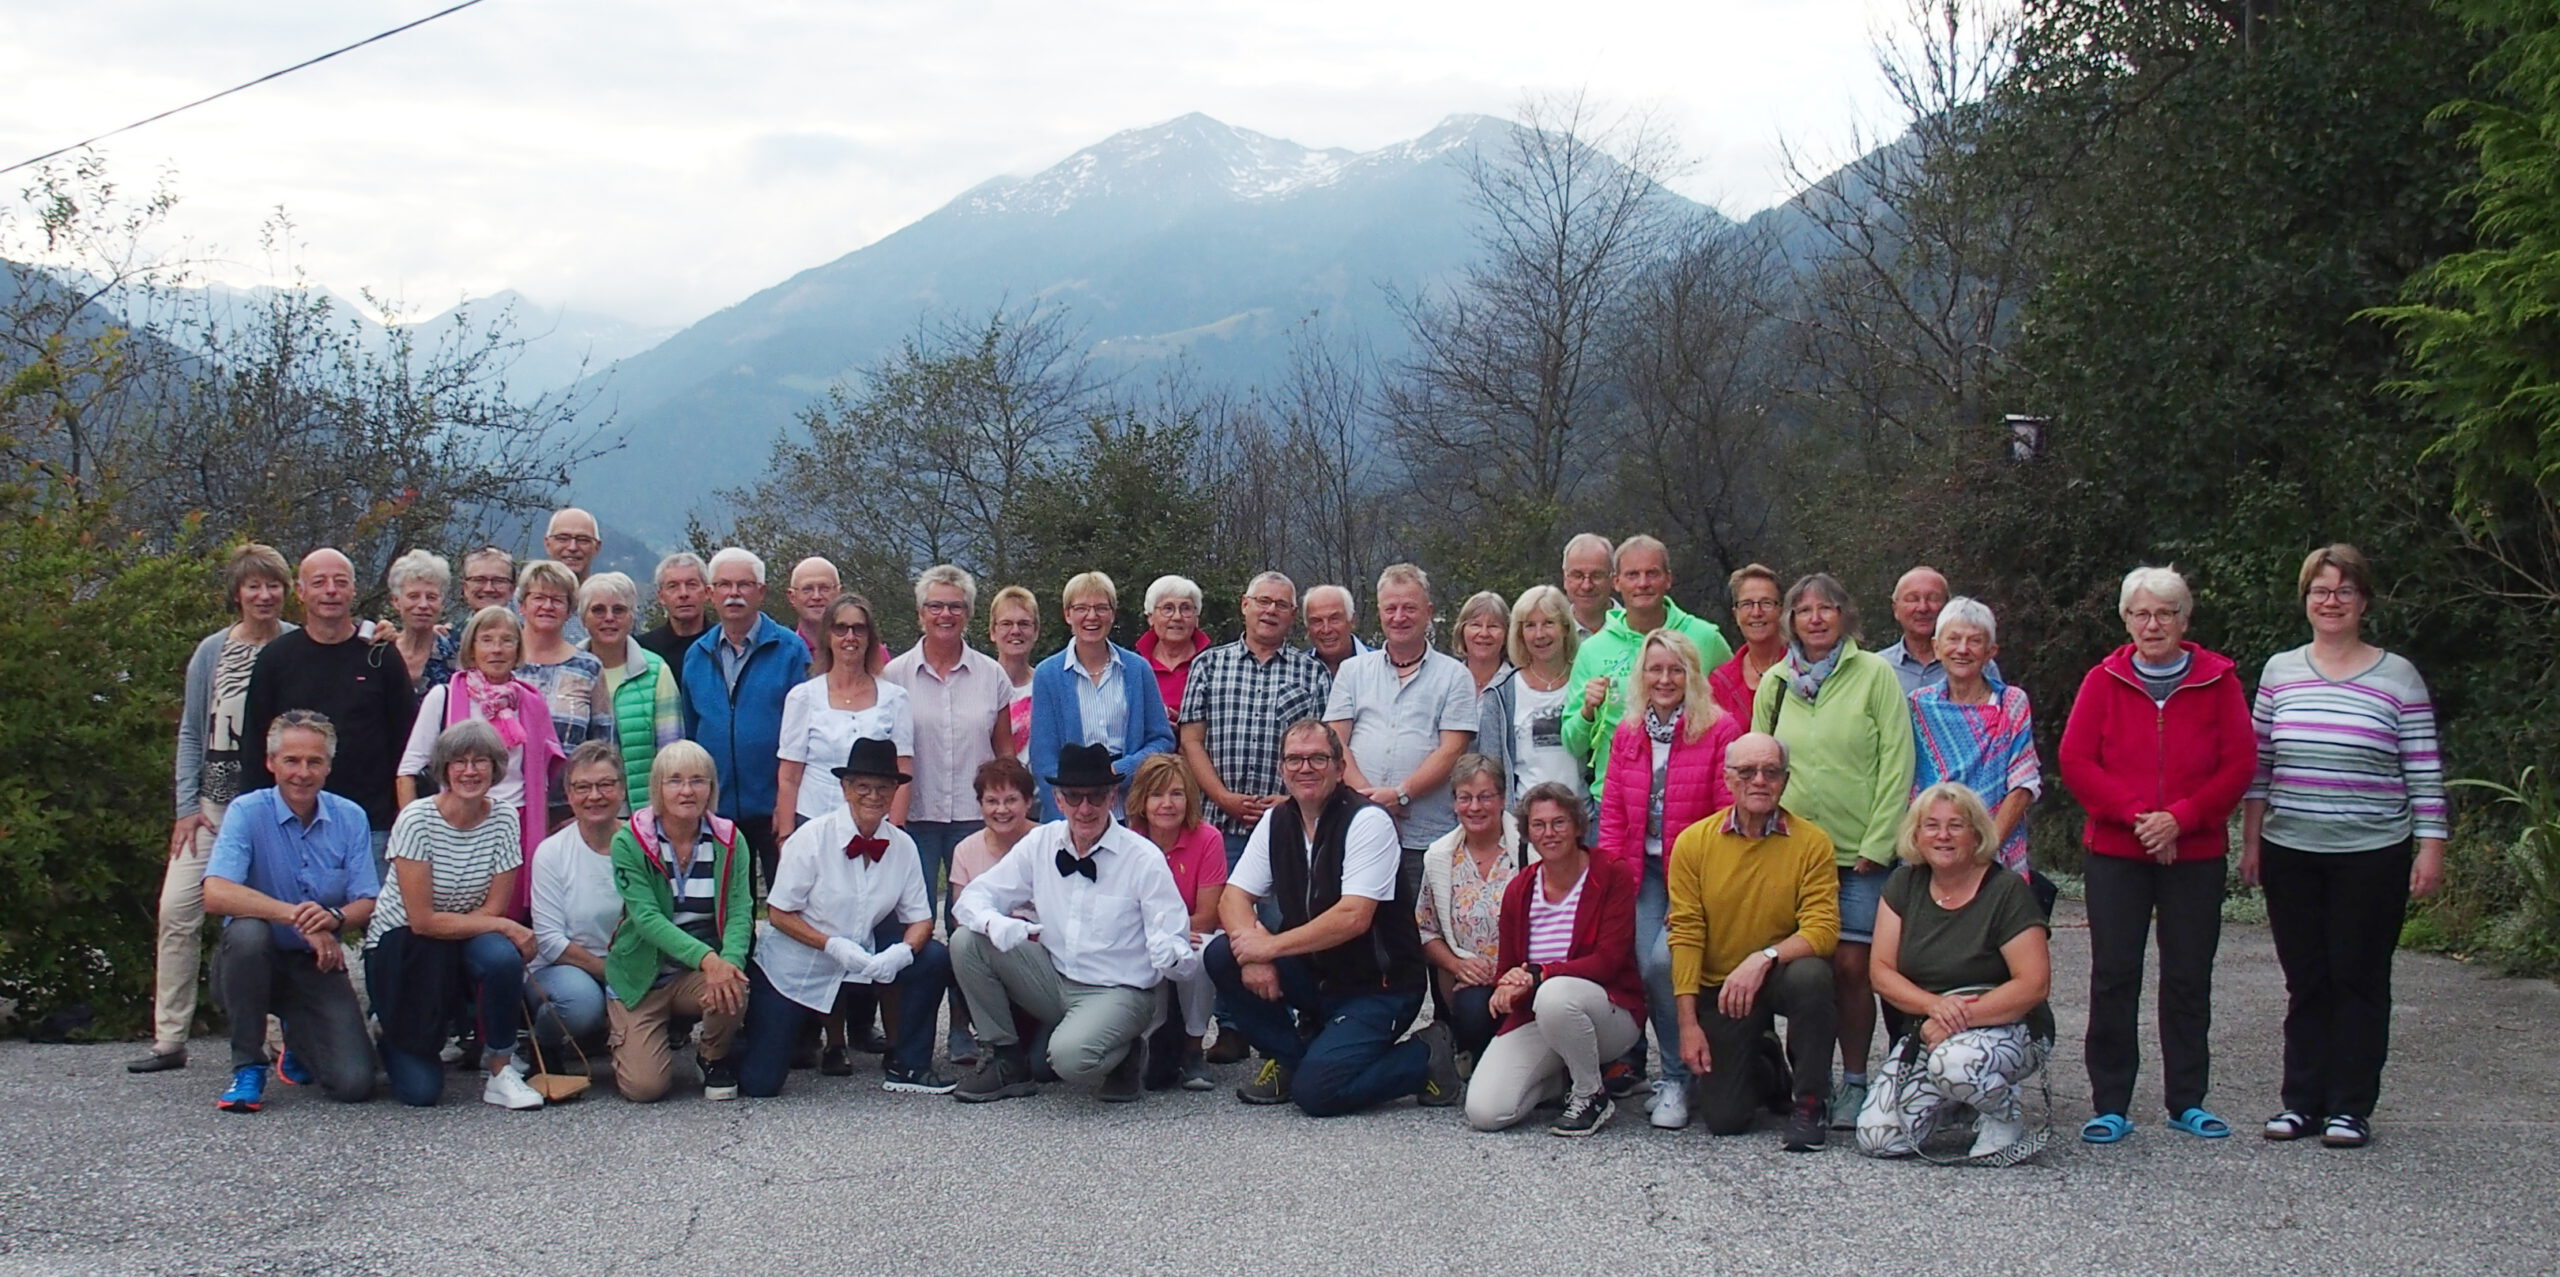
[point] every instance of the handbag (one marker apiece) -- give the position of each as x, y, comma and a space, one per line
555, 1088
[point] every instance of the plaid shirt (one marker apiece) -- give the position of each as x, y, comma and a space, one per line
1243, 705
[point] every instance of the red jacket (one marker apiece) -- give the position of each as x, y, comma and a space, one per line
1693, 786
1604, 936
2192, 757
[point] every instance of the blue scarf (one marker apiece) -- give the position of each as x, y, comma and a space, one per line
1807, 677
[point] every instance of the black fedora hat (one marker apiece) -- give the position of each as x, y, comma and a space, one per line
872, 756
1085, 767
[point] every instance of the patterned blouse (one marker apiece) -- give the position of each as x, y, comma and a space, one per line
1475, 904
1990, 748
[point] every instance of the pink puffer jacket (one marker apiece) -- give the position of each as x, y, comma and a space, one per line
1693, 786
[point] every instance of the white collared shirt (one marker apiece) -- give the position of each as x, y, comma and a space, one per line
838, 896
1096, 932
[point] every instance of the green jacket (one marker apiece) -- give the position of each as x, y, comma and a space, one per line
648, 930
1849, 751
647, 717
1612, 653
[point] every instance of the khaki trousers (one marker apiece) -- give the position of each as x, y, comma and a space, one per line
643, 1065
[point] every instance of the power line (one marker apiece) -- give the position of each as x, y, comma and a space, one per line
61, 150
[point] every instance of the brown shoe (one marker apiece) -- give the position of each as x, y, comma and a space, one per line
1230, 1048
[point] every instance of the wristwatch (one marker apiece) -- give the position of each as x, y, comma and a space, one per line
1403, 799
1771, 953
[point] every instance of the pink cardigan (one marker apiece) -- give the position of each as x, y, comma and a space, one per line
1694, 786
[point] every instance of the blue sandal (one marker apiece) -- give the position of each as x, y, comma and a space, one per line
2105, 1128
2202, 1125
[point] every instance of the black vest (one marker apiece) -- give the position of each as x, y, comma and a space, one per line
1305, 883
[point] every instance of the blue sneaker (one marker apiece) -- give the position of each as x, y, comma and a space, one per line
293, 1071
248, 1091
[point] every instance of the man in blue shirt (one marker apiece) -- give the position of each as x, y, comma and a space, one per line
292, 871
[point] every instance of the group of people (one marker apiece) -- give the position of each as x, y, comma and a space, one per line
1587, 822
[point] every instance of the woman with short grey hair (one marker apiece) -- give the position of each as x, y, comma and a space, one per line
1173, 636
638, 690
2159, 751
419, 582
1977, 731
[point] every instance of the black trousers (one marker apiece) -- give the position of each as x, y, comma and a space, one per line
1469, 1012
1729, 1096
2336, 918
757, 833
325, 1028
2125, 897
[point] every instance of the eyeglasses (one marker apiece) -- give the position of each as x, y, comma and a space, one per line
1177, 607
1766, 772
1261, 601
574, 540
686, 782
2337, 594
490, 582
1089, 609
609, 609
593, 788
848, 628
1756, 605
2149, 617
944, 607
1808, 611
1586, 578
1305, 762
1558, 825
1083, 797
739, 587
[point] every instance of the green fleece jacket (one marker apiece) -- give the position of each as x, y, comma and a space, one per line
1849, 752
1611, 653
648, 931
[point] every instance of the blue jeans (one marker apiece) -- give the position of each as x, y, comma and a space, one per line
1653, 961
565, 1003
775, 1022
934, 840
494, 973
1352, 1061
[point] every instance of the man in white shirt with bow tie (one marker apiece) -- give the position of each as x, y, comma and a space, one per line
1111, 928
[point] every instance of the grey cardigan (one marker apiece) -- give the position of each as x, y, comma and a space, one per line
199, 705
1493, 725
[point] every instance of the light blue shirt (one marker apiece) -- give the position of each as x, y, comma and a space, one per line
263, 846
1100, 701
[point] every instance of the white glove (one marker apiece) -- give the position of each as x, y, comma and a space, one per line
886, 965
1171, 953
1005, 931
856, 962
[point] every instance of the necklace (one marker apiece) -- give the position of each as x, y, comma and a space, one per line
1540, 682
1402, 667
1953, 899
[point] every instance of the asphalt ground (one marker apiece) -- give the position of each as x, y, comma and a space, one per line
109, 1173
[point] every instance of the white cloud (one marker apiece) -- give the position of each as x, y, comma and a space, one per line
658, 160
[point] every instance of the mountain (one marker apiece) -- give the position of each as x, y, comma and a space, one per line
1191, 240
561, 346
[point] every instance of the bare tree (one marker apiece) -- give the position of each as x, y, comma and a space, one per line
1916, 258
1698, 426
1495, 411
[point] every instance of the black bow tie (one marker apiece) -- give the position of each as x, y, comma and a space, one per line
1070, 864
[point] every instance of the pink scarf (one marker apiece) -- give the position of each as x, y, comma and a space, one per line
496, 704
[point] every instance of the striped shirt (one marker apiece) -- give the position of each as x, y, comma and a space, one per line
2346, 764
1551, 925
1989, 748
461, 861
697, 892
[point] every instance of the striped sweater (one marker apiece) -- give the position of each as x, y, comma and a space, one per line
2346, 764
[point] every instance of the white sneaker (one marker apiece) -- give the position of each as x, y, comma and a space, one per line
1670, 1107
1993, 1134
507, 1090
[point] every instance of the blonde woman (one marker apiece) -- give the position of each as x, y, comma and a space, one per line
1013, 627
1480, 639
571, 681
1094, 692
1520, 721
1960, 947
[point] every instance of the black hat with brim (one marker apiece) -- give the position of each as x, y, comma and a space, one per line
1085, 767
872, 756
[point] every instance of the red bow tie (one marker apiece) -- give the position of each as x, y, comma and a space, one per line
861, 847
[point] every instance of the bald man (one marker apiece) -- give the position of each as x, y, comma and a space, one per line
815, 583
572, 538
328, 667
1917, 597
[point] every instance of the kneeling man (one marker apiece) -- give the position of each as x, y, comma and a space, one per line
1111, 928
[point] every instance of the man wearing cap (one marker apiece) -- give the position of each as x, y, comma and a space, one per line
1325, 994
1111, 928
846, 881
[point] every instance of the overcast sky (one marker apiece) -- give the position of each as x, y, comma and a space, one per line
657, 160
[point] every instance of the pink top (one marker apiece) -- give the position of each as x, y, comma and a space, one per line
1170, 679
975, 855
1198, 862
1551, 925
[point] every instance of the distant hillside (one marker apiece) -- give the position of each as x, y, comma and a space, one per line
1190, 240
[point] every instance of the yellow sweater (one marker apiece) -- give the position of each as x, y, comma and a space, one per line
1732, 896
